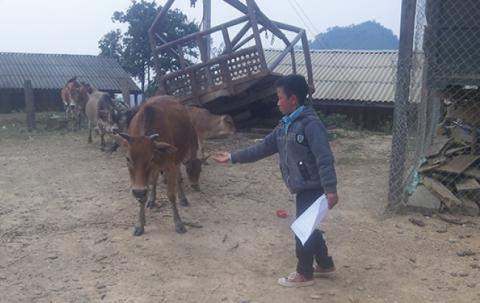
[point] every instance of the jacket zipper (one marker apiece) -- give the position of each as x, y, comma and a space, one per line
286, 160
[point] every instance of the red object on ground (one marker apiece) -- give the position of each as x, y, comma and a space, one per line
282, 213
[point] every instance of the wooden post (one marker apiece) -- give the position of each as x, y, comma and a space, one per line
294, 63
125, 91
402, 91
207, 24
226, 40
258, 41
29, 105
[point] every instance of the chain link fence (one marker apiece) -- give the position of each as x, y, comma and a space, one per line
436, 133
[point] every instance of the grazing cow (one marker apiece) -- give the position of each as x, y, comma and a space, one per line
160, 138
101, 115
209, 126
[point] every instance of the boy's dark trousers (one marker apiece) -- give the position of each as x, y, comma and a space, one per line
315, 247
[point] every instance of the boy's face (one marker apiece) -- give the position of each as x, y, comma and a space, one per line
285, 104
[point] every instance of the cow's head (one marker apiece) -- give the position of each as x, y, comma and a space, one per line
145, 156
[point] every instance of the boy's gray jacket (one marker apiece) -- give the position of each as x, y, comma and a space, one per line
306, 160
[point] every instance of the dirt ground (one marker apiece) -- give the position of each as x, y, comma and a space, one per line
66, 218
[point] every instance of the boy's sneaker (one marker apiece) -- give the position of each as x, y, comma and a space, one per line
323, 271
295, 279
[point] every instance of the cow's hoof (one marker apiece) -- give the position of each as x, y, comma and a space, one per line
151, 204
184, 202
196, 187
138, 231
180, 228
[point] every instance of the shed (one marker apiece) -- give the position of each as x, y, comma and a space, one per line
48, 74
359, 84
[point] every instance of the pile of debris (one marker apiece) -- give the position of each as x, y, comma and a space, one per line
450, 173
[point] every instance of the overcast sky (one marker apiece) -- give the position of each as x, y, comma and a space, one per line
75, 27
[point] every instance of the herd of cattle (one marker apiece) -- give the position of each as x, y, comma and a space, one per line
159, 137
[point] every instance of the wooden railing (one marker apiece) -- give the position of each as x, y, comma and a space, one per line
236, 64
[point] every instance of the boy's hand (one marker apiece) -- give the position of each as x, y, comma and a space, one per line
221, 157
332, 200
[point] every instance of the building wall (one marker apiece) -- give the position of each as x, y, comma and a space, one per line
45, 100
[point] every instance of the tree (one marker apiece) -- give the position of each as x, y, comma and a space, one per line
134, 50
111, 45
365, 36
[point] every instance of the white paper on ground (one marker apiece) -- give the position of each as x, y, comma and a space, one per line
304, 225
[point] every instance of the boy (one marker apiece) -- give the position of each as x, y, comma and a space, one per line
307, 167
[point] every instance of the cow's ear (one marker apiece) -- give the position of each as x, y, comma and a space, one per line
164, 147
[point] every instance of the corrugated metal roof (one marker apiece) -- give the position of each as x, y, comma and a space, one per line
51, 71
352, 75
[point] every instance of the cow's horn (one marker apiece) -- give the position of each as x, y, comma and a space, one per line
153, 137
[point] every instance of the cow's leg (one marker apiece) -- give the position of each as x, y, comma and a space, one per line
200, 148
114, 147
152, 193
171, 192
180, 190
140, 226
65, 106
102, 140
89, 132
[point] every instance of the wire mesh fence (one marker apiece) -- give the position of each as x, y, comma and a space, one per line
435, 146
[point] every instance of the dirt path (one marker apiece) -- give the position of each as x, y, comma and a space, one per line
66, 219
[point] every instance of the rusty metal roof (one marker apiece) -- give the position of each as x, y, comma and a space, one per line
350, 75
51, 71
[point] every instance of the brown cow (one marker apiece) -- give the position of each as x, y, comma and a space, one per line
70, 94
101, 114
209, 126
160, 138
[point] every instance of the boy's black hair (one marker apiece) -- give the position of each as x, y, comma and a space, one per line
294, 85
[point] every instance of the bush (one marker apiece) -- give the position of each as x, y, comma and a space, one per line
336, 121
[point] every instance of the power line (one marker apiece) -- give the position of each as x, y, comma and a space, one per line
307, 27
306, 17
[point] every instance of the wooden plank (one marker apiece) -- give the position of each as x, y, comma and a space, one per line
308, 64
432, 163
192, 37
458, 164
467, 184
240, 34
441, 192
437, 146
252, 12
473, 172
422, 197
289, 48
226, 40
451, 151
